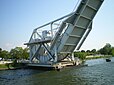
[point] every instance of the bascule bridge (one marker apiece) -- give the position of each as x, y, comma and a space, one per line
55, 41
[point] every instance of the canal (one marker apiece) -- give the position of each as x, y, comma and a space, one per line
98, 72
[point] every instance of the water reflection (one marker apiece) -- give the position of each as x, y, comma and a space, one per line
98, 72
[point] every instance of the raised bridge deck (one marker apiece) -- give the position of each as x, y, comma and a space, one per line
55, 44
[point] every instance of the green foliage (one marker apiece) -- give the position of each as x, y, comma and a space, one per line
93, 51
14, 64
19, 53
106, 50
25, 53
82, 50
16, 53
88, 51
4, 54
3, 66
0, 49
7, 65
112, 51
81, 55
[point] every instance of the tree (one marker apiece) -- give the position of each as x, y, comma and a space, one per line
82, 50
19, 53
81, 55
16, 53
106, 50
4, 54
0, 52
93, 50
0, 49
25, 53
88, 51
112, 51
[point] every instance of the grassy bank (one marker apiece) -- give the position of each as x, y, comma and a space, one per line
8, 66
3, 66
96, 57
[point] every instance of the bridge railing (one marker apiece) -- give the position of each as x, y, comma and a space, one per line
47, 31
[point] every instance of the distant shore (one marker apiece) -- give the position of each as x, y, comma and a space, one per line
98, 56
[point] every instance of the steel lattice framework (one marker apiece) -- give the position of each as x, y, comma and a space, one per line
56, 40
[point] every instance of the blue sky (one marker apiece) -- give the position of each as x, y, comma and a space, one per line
18, 18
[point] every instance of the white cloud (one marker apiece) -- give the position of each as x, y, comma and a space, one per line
9, 46
22, 45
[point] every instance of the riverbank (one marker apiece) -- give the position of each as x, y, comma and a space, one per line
9, 66
97, 57
13, 66
3, 67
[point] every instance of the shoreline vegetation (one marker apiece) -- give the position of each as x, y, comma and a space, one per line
97, 57
14, 65
18, 53
4, 67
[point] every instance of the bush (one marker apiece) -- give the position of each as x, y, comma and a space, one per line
81, 55
14, 64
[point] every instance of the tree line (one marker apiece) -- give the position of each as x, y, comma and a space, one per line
16, 53
20, 53
106, 50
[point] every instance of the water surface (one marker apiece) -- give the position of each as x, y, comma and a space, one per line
98, 72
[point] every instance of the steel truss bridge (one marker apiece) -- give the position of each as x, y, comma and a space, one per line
56, 40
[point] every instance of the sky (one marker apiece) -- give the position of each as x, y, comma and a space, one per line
18, 19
